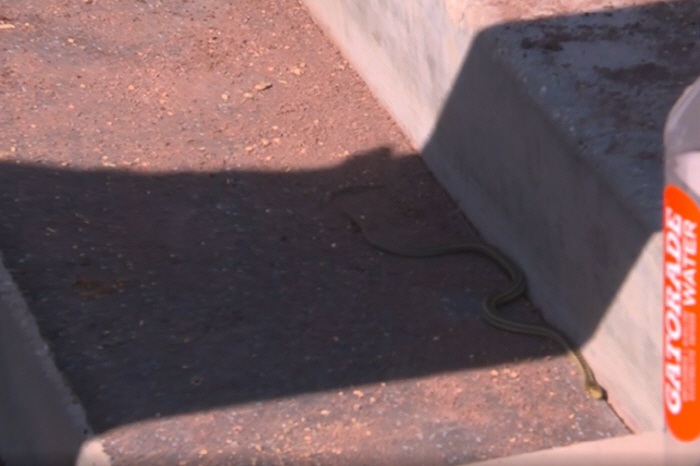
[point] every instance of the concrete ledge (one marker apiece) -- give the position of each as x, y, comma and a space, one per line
544, 121
40, 421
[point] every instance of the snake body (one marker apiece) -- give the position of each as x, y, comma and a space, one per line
516, 289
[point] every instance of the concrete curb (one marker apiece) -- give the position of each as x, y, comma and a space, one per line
92, 453
41, 422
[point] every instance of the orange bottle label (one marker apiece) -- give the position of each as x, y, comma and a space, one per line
681, 309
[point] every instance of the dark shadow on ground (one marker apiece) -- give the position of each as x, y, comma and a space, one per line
170, 293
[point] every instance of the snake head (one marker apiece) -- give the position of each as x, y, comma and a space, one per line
595, 391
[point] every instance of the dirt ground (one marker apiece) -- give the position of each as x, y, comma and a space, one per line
166, 169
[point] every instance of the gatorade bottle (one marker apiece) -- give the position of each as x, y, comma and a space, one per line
681, 306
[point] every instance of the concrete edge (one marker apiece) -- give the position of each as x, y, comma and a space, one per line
42, 422
648, 449
92, 453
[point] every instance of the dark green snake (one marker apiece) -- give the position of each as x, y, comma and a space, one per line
516, 290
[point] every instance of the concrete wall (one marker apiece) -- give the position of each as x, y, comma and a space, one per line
514, 115
41, 423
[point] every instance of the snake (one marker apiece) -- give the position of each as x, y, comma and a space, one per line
517, 289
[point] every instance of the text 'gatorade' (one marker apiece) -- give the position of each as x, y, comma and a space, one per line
680, 390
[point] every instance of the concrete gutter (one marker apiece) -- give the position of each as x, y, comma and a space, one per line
41, 422
544, 121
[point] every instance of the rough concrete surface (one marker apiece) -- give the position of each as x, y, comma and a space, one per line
544, 121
